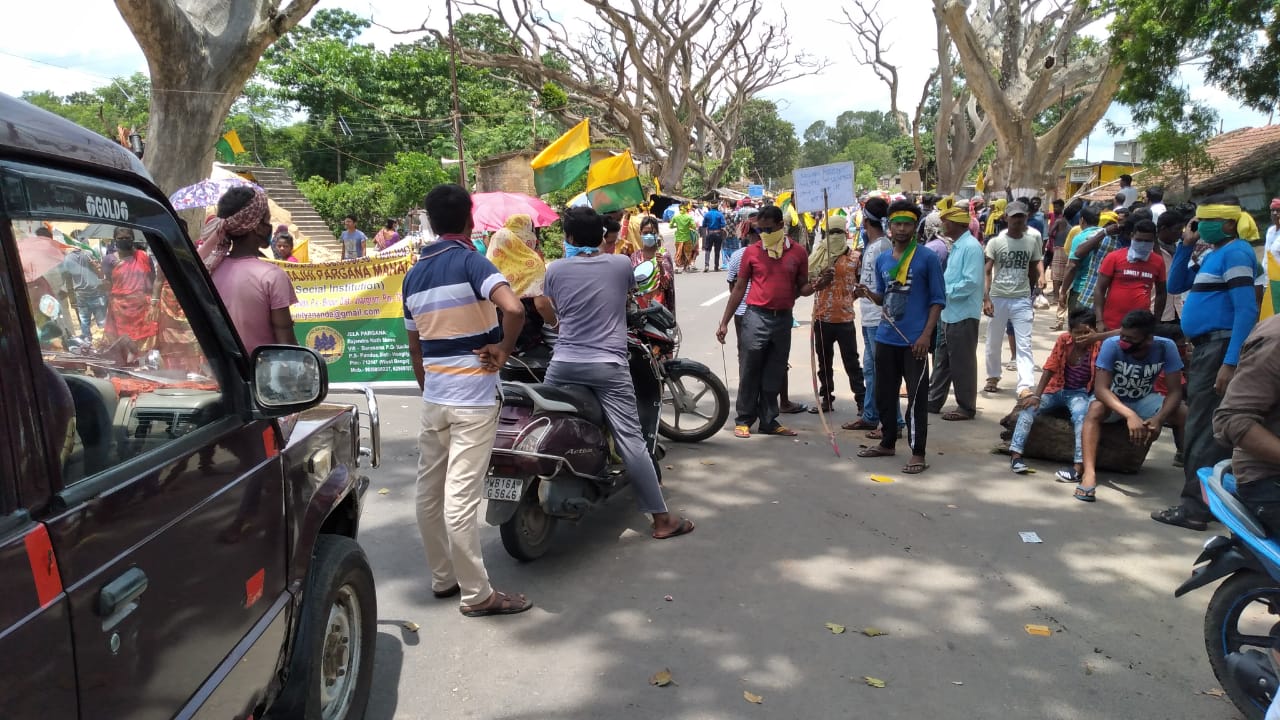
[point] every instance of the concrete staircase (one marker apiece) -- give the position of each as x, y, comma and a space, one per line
280, 188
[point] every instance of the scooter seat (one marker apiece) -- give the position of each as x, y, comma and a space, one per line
559, 398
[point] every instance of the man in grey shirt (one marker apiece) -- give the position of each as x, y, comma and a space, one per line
86, 284
589, 291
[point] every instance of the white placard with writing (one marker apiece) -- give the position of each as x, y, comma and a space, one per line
836, 179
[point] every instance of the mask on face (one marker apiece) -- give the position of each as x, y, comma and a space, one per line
772, 242
1212, 232
649, 239
1140, 250
574, 250
1131, 347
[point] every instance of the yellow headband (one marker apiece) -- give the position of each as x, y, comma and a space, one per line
1218, 212
1107, 218
956, 215
902, 215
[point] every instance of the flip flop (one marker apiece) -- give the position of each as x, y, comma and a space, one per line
1085, 494
875, 451
859, 424
684, 528
741, 431
794, 409
915, 468
992, 386
956, 416
498, 604
782, 430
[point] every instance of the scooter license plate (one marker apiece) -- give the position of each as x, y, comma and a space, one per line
503, 488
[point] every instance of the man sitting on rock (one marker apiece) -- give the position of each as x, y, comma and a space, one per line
1125, 389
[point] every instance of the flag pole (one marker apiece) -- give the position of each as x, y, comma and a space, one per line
453, 84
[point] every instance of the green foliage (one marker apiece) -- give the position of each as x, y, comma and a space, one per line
825, 144
771, 141
407, 180
363, 197
552, 97
1180, 144
124, 102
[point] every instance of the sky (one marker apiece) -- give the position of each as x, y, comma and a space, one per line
44, 52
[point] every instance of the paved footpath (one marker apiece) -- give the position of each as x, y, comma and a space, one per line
791, 538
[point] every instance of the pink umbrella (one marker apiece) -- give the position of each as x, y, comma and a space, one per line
490, 210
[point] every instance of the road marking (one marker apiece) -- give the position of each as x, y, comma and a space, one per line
716, 299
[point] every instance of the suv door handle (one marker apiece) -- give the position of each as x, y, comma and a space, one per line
120, 593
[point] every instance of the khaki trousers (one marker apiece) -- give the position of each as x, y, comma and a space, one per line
454, 450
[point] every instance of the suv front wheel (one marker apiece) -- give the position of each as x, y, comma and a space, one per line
331, 669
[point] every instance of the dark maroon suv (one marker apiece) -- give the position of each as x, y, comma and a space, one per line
177, 517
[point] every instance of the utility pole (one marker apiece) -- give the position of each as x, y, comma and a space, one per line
453, 84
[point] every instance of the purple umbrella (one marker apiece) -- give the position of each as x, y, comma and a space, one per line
205, 193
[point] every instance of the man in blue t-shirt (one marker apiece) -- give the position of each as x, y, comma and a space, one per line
713, 239
910, 289
457, 347
1125, 389
353, 241
1219, 312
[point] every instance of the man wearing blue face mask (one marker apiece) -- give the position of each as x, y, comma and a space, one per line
1220, 310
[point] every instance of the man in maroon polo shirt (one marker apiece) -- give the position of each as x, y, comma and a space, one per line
778, 271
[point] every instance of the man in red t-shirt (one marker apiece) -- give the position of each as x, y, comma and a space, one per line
1128, 278
778, 272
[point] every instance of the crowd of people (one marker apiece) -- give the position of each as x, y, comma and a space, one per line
1153, 304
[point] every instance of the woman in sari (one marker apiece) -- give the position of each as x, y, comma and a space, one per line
525, 270
652, 249
129, 299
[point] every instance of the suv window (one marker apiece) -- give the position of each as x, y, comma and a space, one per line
125, 373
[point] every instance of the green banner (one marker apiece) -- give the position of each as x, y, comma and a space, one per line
352, 313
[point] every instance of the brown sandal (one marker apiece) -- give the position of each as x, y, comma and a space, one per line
498, 604
956, 415
875, 451
859, 424
684, 528
992, 386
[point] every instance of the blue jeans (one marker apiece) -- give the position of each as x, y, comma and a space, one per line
1075, 401
869, 412
731, 246
91, 309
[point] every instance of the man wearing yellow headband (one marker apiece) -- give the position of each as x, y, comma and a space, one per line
1220, 310
909, 288
955, 359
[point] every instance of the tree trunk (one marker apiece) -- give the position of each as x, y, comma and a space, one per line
200, 54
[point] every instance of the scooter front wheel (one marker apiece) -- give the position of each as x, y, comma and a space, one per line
695, 405
527, 535
1241, 615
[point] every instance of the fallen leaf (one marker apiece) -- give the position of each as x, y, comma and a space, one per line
662, 678
1041, 630
835, 628
873, 632
752, 697
1214, 692
708, 462
383, 491
881, 479
671, 467
873, 682
410, 626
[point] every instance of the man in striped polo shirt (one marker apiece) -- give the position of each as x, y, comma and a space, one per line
457, 348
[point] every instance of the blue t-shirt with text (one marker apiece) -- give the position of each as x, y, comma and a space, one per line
1134, 378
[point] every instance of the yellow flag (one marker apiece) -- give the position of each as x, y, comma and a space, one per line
233, 139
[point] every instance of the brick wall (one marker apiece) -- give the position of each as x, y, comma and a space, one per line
509, 173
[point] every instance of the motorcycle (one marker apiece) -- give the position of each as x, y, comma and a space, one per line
695, 403
1242, 622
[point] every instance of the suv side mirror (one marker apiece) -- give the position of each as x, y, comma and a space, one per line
288, 379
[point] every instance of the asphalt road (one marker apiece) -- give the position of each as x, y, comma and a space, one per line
789, 538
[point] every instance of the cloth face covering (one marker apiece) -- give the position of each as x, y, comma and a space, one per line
1140, 250
574, 250
773, 242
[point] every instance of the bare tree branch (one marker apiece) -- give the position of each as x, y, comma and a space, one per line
868, 28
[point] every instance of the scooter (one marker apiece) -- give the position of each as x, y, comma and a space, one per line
1242, 622
553, 457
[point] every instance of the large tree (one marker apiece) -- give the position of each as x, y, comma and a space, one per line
771, 140
1019, 59
199, 53
670, 76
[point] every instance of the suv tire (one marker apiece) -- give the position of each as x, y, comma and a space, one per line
331, 667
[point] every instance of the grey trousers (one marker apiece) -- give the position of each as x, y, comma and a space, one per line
611, 383
1201, 449
955, 361
764, 346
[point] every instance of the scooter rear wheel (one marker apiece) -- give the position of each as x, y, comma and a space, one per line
1241, 614
527, 535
